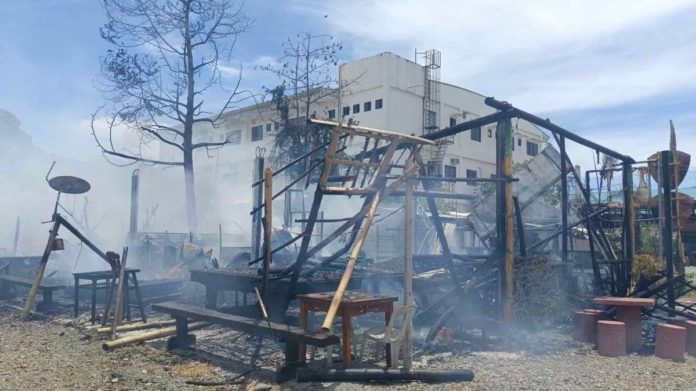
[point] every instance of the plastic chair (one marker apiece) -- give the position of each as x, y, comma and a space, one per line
388, 334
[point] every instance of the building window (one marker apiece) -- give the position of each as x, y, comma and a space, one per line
476, 134
332, 114
268, 127
490, 133
532, 149
257, 133
346, 110
450, 171
471, 174
367, 106
234, 137
431, 120
378, 104
519, 141
356, 108
453, 121
276, 125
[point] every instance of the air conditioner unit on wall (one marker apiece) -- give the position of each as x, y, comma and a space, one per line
454, 160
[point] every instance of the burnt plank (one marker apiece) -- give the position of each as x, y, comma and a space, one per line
21, 281
249, 325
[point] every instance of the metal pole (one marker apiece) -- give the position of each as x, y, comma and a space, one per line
135, 190
408, 266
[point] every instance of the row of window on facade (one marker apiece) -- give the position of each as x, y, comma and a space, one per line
532, 147
451, 172
235, 136
367, 106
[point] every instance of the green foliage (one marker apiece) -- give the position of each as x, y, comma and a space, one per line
645, 266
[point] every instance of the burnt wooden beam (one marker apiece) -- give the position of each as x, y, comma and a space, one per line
546, 124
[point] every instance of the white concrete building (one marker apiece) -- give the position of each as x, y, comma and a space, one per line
384, 91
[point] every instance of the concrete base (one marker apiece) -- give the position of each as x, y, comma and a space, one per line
691, 337
611, 338
585, 326
670, 342
632, 317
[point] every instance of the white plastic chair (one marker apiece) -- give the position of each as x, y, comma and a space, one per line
388, 334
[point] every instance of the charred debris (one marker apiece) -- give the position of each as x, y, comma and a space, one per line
539, 241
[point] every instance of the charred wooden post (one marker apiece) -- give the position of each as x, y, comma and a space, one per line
120, 299
267, 225
42, 268
504, 216
520, 228
564, 198
259, 162
667, 248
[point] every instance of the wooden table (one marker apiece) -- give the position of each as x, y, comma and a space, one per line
107, 276
628, 311
352, 304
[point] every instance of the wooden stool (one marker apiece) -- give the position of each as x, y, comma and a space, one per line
670, 342
691, 337
585, 326
611, 338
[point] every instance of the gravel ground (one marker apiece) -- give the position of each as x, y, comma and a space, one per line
56, 355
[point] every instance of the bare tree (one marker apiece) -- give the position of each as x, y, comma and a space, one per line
307, 71
165, 62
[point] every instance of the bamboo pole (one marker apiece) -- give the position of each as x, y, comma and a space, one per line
352, 259
137, 326
359, 242
260, 300
165, 332
267, 225
328, 160
408, 266
118, 310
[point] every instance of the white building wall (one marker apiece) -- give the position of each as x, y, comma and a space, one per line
398, 82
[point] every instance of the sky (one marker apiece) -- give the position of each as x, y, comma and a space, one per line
612, 71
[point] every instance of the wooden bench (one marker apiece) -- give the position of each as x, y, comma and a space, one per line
291, 335
47, 287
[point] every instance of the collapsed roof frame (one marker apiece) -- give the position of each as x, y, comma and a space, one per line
503, 248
